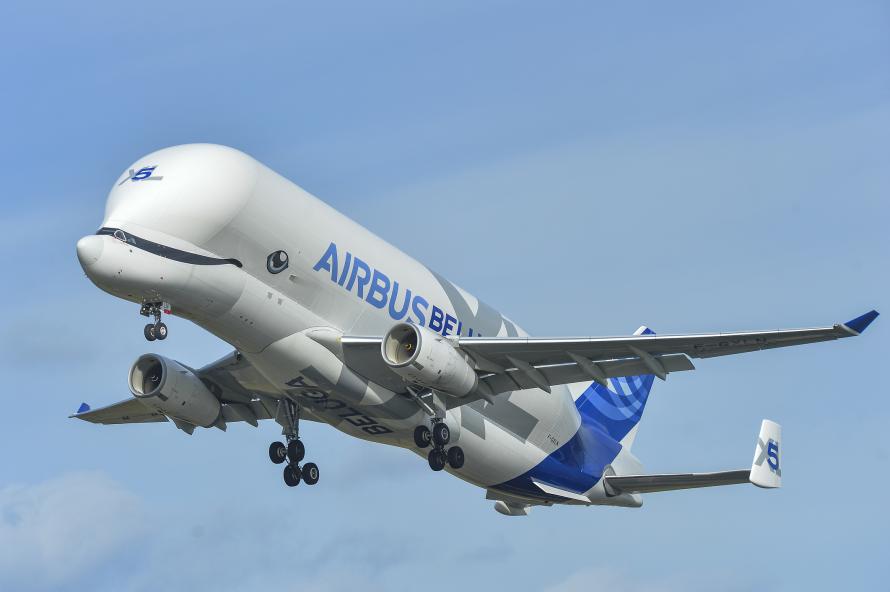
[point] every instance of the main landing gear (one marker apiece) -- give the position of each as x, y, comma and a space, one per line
156, 330
294, 451
439, 436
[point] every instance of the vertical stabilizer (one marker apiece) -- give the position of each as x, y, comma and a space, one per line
617, 410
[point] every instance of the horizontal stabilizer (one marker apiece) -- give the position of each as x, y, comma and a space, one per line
651, 483
765, 471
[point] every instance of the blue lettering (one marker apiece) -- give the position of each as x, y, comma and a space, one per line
419, 301
772, 455
379, 289
328, 261
345, 268
449, 324
398, 314
363, 280
436, 317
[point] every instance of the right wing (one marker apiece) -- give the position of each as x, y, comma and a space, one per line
128, 411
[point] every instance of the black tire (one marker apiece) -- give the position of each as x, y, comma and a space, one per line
161, 331
295, 451
292, 475
437, 459
149, 332
310, 473
277, 452
455, 457
441, 434
422, 436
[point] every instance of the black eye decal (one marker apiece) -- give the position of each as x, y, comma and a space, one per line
276, 262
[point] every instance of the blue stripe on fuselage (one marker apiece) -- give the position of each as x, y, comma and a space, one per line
575, 466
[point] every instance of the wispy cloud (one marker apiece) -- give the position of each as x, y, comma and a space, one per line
54, 531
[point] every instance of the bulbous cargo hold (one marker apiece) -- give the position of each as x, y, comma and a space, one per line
427, 359
174, 390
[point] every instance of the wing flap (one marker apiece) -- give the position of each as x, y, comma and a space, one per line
569, 373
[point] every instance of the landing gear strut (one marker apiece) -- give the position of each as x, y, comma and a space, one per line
439, 436
156, 330
294, 451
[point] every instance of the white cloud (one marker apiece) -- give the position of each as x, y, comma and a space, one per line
54, 531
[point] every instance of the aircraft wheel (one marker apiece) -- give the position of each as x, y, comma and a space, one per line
277, 452
292, 475
310, 473
161, 331
455, 457
149, 332
441, 434
295, 451
437, 459
422, 436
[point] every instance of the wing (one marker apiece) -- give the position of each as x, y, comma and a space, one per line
242, 391
511, 363
129, 411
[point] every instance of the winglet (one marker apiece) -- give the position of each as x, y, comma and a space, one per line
82, 409
861, 323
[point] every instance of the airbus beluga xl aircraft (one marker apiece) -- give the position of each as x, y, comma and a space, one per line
331, 323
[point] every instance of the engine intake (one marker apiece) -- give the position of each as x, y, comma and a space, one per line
428, 359
174, 390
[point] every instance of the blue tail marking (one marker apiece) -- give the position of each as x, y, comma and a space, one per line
616, 413
606, 418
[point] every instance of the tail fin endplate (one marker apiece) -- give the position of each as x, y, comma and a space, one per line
766, 470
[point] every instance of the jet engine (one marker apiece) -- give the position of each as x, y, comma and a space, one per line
174, 390
428, 359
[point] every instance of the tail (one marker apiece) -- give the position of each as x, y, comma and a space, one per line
618, 408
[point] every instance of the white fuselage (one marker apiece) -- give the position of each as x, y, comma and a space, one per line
339, 279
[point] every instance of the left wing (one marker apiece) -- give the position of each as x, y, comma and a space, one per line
511, 363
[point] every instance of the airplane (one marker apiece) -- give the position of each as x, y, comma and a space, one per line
330, 323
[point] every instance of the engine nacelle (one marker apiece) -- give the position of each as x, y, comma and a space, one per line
428, 359
174, 390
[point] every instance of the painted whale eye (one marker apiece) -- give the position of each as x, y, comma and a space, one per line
276, 262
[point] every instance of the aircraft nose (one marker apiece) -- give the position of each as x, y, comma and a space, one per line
89, 249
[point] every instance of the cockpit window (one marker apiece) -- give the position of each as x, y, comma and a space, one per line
120, 235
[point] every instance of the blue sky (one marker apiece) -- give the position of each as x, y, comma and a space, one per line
584, 167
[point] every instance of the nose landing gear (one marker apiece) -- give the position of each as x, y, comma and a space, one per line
156, 330
289, 417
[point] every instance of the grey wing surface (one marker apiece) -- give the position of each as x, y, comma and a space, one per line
510, 363
243, 393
